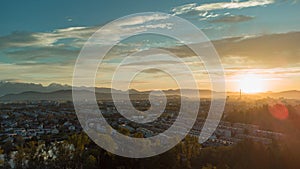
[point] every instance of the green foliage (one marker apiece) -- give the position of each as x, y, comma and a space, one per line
91, 162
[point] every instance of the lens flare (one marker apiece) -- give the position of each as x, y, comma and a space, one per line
279, 111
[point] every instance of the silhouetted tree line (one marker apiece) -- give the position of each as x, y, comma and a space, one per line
79, 152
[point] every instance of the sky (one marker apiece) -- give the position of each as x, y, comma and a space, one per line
257, 40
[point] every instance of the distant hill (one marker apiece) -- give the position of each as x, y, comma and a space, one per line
57, 95
61, 95
15, 88
291, 94
101, 94
29, 91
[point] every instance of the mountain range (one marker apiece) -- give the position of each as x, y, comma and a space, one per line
16, 88
28, 91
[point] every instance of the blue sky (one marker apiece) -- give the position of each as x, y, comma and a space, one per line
45, 16
40, 40
49, 15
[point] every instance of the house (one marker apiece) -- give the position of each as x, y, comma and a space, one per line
72, 128
8, 139
55, 131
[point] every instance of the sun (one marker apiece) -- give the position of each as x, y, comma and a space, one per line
251, 83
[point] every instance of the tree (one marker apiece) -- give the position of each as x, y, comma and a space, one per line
7, 147
186, 150
124, 131
91, 162
1, 160
64, 153
79, 141
20, 158
19, 140
209, 166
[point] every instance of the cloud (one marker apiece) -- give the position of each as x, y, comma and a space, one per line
17, 39
273, 50
208, 11
76, 36
232, 19
264, 51
144, 63
271, 56
42, 39
270, 72
11, 80
63, 45
184, 9
43, 55
138, 20
44, 74
233, 5
132, 26
218, 6
69, 19
151, 71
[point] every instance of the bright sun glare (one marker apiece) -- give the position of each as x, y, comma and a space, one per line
251, 83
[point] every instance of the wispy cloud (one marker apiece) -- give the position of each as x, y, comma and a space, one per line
233, 5
218, 12
232, 19
219, 5
273, 50
273, 72
44, 74
40, 39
